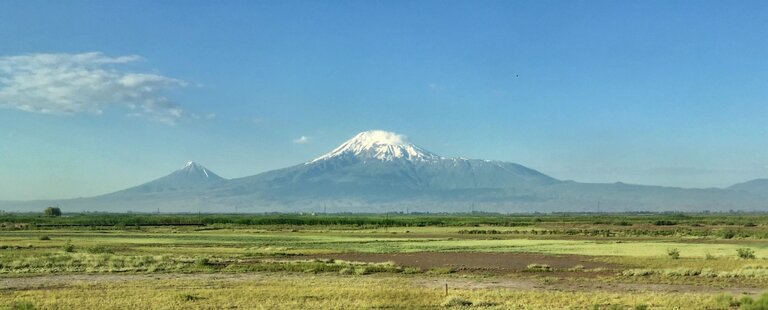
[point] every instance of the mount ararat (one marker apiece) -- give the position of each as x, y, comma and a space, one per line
379, 171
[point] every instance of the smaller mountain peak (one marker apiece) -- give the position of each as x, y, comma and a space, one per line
192, 168
191, 165
192, 175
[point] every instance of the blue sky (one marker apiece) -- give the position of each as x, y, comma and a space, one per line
649, 92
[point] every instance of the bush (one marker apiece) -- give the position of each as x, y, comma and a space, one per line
68, 247
202, 261
759, 304
411, 270
456, 301
100, 249
190, 297
23, 305
485, 304
745, 253
440, 270
52, 211
664, 223
726, 301
538, 267
576, 268
673, 253
637, 272
44, 238
728, 234
363, 271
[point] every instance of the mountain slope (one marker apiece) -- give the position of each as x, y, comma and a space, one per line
191, 176
377, 170
377, 165
756, 186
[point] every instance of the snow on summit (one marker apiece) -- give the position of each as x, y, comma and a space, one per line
380, 145
194, 169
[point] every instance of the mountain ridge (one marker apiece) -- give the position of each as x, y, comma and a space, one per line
376, 171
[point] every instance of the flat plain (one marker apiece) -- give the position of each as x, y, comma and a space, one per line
475, 261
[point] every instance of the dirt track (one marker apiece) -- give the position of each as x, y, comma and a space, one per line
487, 262
584, 286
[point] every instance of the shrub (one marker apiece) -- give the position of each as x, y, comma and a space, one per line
576, 268
485, 304
44, 238
68, 247
728, 234
22, 305
202, 261
411, 270
673, 253
745, 253
52, 211
190, 297
100, 249
726, 301
637, 272
440, 270
745, 301
664, 223
538, 267
759, 304
456, 301
681, 272
363, 271
709, 256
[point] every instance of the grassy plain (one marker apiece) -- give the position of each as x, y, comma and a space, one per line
606, 261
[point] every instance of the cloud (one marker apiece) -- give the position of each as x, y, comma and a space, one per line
301, 140
435, 87
64, 84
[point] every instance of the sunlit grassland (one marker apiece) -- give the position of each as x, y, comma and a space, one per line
288, 265
274, 291
233, 242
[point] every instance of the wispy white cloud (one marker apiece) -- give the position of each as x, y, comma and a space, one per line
63, 84
301, 140
435, 87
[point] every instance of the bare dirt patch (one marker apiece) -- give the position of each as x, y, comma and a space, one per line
490, 262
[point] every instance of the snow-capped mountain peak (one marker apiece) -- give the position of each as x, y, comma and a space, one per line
192, 168
379, 145
191, 176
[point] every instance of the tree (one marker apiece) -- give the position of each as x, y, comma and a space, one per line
52, 211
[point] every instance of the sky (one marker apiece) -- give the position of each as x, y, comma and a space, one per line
97, 96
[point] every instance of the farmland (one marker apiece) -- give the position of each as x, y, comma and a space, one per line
486, 261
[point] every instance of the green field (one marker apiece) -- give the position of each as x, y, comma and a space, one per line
590, 261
